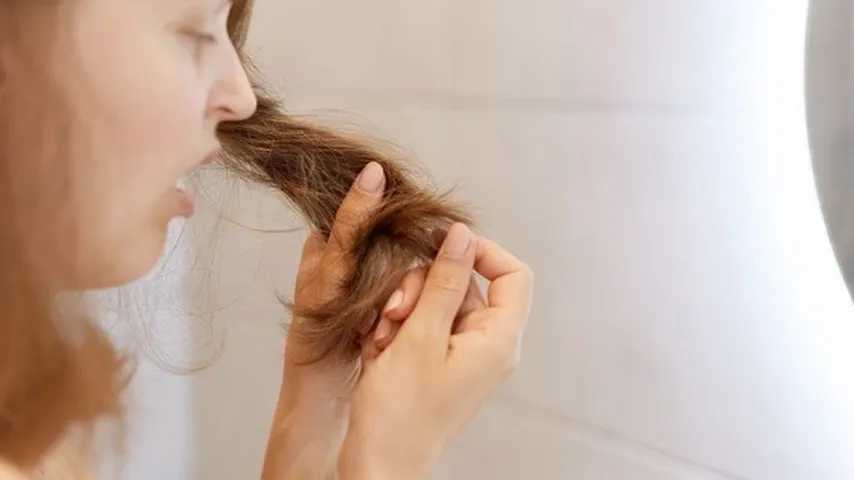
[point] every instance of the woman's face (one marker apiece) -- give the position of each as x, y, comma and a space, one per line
113, 102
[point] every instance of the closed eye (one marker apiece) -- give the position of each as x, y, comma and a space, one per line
200, 40
204, 37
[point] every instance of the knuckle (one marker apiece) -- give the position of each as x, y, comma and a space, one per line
345, 210
350, 215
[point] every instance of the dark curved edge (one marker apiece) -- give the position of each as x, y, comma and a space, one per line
828, 88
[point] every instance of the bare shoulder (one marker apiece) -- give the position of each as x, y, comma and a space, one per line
68, 460
8, 472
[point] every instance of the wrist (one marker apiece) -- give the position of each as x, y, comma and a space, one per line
306, 436
324, 381
363, 458
313, 399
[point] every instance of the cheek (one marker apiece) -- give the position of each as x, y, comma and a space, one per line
148, 104
140, 124
152, 109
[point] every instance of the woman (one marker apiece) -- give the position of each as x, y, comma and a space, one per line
105, 105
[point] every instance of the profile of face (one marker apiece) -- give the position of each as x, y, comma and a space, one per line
113, 101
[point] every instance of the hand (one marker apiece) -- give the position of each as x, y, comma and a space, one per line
311, 414
432, 378
392, 318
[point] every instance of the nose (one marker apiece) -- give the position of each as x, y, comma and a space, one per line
232, 98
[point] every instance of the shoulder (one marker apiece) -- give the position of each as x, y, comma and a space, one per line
65, 461
68, 460
8, 472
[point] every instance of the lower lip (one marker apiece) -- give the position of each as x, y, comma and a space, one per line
186, 203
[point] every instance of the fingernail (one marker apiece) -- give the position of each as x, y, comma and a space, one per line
383, 329
371, 178
457, 241
393, 301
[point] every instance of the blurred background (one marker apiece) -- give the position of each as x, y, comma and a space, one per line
650, 160
830, 117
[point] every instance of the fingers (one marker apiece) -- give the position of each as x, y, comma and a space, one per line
364, 196
397, 308
474, 298
312, 253
511, 282
445, 288
391, 333
387, 331
312, 245
312, 250
473, 302
384, 334
370, 350
400, 306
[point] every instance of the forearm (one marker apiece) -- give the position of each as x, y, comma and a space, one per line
361, 458
306, 437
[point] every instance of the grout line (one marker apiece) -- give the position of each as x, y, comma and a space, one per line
557, 105
457, 101
599, 435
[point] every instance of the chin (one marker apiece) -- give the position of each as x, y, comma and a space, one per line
131, 261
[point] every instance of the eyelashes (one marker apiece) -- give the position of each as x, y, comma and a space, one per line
204, 29
205, 37
200, 41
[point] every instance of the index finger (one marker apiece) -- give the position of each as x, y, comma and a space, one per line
364, 196
511, 282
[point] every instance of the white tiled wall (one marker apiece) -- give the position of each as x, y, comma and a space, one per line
689, 319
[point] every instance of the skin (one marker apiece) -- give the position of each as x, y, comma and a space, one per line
441, 372
144, 94
313, 409
7, 472
134, 104
444, 350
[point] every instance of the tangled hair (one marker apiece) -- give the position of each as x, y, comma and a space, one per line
314, 167
51, 381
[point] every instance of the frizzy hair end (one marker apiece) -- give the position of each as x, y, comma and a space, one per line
314, 168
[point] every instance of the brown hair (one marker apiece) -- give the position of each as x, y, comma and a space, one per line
55, 371
48, 382
314, 167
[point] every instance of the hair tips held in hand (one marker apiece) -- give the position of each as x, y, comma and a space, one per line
314, 168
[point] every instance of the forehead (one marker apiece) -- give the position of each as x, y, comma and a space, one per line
130, 15
181, 6
162, 8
